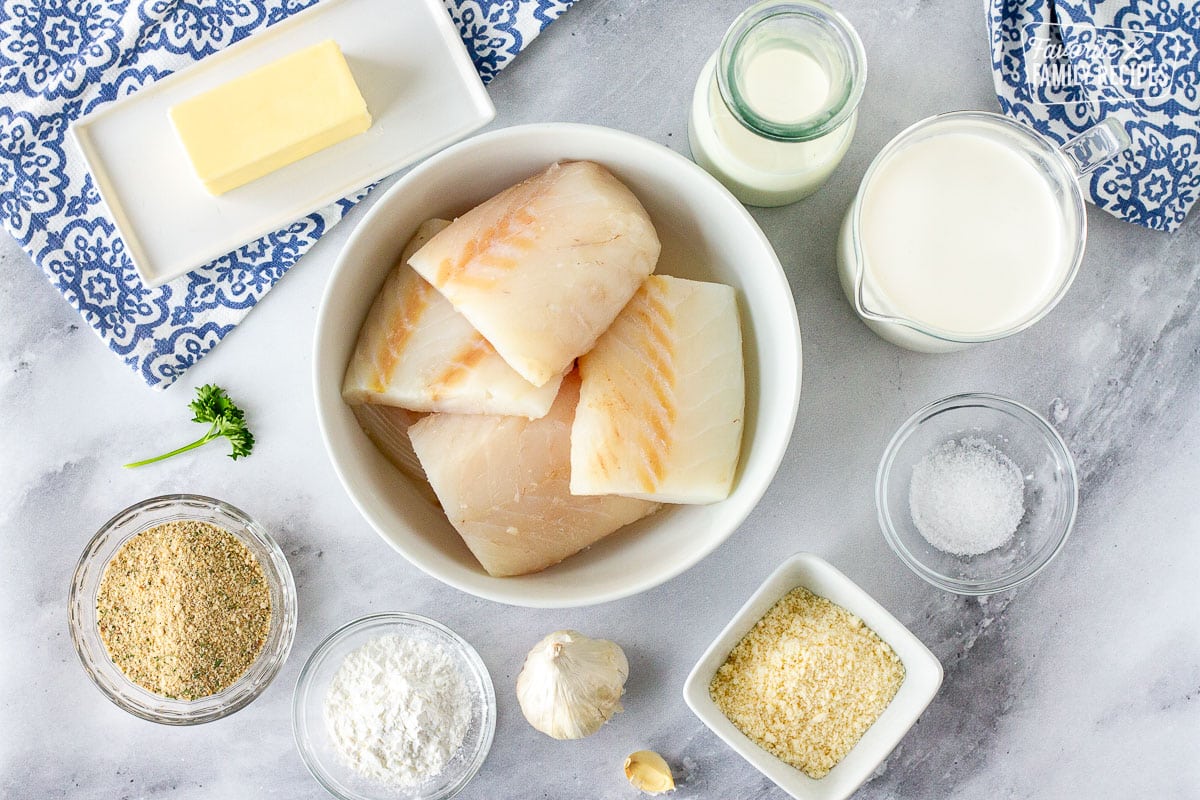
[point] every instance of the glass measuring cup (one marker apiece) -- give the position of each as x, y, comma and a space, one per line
1059, 167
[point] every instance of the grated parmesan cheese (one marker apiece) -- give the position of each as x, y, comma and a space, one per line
807, 682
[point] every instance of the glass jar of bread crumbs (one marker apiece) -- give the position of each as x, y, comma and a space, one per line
164, 543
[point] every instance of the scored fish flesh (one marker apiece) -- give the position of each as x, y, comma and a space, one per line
663, 397
387, 428
504, 483
543, 268
415, 351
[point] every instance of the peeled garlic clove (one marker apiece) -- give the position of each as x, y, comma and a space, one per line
571, 685
649, 772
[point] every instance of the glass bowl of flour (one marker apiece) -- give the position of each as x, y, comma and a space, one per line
394, 707
976, 493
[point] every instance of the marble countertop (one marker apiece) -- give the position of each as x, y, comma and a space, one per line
1083, 683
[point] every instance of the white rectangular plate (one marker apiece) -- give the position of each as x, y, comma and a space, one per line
411, 66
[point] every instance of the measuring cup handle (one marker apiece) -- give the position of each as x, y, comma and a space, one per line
1096, 145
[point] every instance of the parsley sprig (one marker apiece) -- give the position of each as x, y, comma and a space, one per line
214, 407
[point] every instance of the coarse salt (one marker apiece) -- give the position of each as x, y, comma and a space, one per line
966, 497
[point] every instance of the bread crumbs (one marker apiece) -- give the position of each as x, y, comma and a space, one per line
807, 682
184, 609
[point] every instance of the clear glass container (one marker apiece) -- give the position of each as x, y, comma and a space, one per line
85, 632
1059, 168
1051, 494
317, 748
775, 107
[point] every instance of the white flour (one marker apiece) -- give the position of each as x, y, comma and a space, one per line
398, 710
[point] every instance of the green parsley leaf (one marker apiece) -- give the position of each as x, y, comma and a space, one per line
214, 407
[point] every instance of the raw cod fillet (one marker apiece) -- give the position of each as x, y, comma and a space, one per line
663, 397
504, 483
415, 351
543, 268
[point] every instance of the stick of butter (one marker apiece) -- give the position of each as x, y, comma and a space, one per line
271, 117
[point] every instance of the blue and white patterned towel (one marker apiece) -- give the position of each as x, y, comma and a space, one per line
60, 59
1063, 65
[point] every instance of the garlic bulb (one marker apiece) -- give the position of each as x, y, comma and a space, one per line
571, 685
649, 772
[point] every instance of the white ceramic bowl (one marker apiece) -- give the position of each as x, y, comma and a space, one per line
922, 677
706, 234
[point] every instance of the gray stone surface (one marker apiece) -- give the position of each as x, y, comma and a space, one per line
1083, 683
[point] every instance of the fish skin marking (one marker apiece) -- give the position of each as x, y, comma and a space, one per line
400, 328
460, 366
646, 328
657, 322
647, 479
602, 462
473, 258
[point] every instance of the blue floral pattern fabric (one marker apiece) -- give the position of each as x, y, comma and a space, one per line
60, 59
1061, 66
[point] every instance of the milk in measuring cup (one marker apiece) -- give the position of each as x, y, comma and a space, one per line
957, 233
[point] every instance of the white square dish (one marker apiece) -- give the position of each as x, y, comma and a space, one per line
922, 677
412, 68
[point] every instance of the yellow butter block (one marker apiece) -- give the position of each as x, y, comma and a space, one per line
271, 117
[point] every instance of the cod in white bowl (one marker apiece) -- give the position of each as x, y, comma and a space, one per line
706, 235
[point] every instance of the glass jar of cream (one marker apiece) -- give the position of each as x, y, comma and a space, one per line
775, 107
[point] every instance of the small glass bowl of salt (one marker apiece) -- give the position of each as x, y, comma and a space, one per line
976, 493
394, 706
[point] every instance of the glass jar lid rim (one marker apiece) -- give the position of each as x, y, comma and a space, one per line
843, 103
